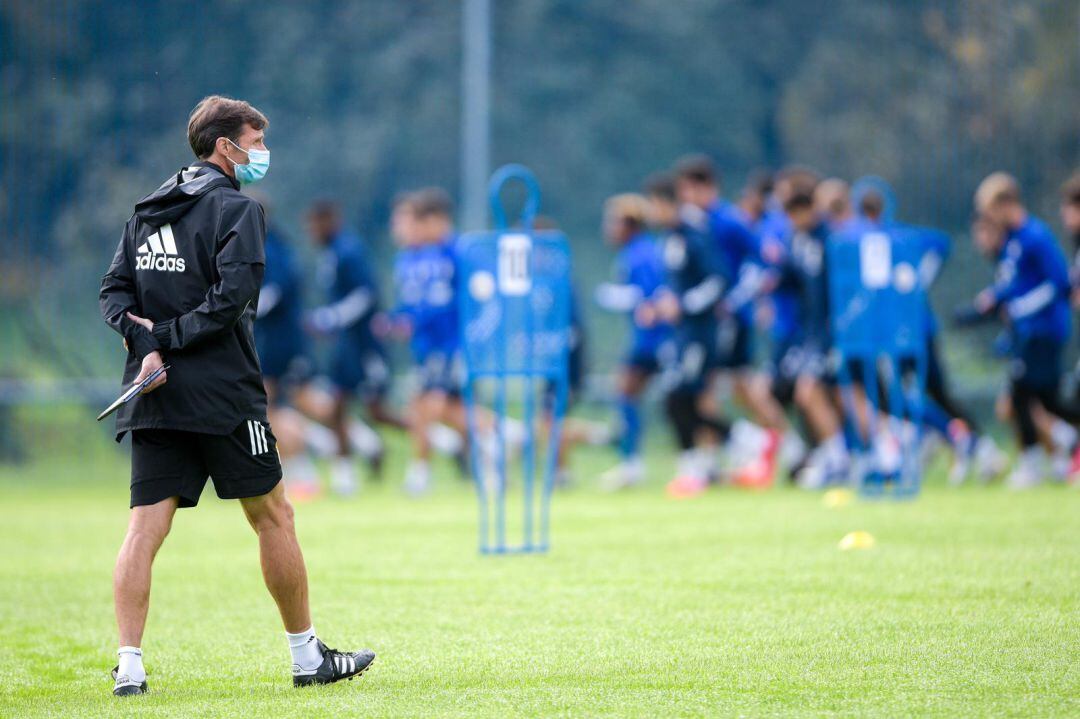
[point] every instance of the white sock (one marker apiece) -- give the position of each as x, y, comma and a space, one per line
305, 649
417, 477
835, 447
792, 448
597, 434
1063, 435
343, 476
444, 439
364, 439
299, 469
419, 467
688, 464
320, 440
131, 664
514, 432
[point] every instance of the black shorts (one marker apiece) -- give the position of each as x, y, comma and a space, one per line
734, 344
172, 463
650, 360
361, 371
1036, 364
695, 365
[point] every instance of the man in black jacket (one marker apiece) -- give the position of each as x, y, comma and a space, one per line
182, 288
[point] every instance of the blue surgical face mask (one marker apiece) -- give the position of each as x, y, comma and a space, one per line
255, 169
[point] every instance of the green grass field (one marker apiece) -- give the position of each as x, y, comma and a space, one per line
734, 604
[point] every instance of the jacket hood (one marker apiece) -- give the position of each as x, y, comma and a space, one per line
179, 193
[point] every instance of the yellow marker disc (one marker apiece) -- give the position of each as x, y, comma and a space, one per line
857, 540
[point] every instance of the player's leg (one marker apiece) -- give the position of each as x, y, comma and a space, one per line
973, 450
692, 468
167, 471
301, 478
244, 465
353, 375
314, 402
376, 389
372, 386
1031, 461
424, 410
281, 386
380, 411
793, 450
343, 477
828, 462
438, 402
754, 444
1034, 376
271, 516
631, 381
147, 528
752, 390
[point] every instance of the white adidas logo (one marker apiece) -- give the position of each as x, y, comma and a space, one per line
159, 252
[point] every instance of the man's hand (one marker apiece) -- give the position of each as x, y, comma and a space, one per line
645, 315
141, 321
668, 309
150, 364
985, 301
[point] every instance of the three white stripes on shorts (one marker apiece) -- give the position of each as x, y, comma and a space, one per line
257, 437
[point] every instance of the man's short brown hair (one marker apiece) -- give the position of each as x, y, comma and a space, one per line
662, 185
431, 202
872, 204
698, 169
218, 116
629, 207
1070, 191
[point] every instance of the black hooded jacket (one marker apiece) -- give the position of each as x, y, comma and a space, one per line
191, 260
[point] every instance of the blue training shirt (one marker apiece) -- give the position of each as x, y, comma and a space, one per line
696, 277
346, 271
425, 277
804, 277
638, 275
739, 248
279, 328
1032, 282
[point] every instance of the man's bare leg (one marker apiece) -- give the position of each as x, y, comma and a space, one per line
271, 516
147, 529
753, 392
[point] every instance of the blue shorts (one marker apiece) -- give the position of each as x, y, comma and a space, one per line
651, 359
286, 368
364, 372
1036, 363
575, 379
440, 371
277, 358
696, 361
734, 343
801, 359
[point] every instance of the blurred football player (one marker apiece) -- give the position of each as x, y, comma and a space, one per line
690, 302
638, 278
358, 366
1030, 292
